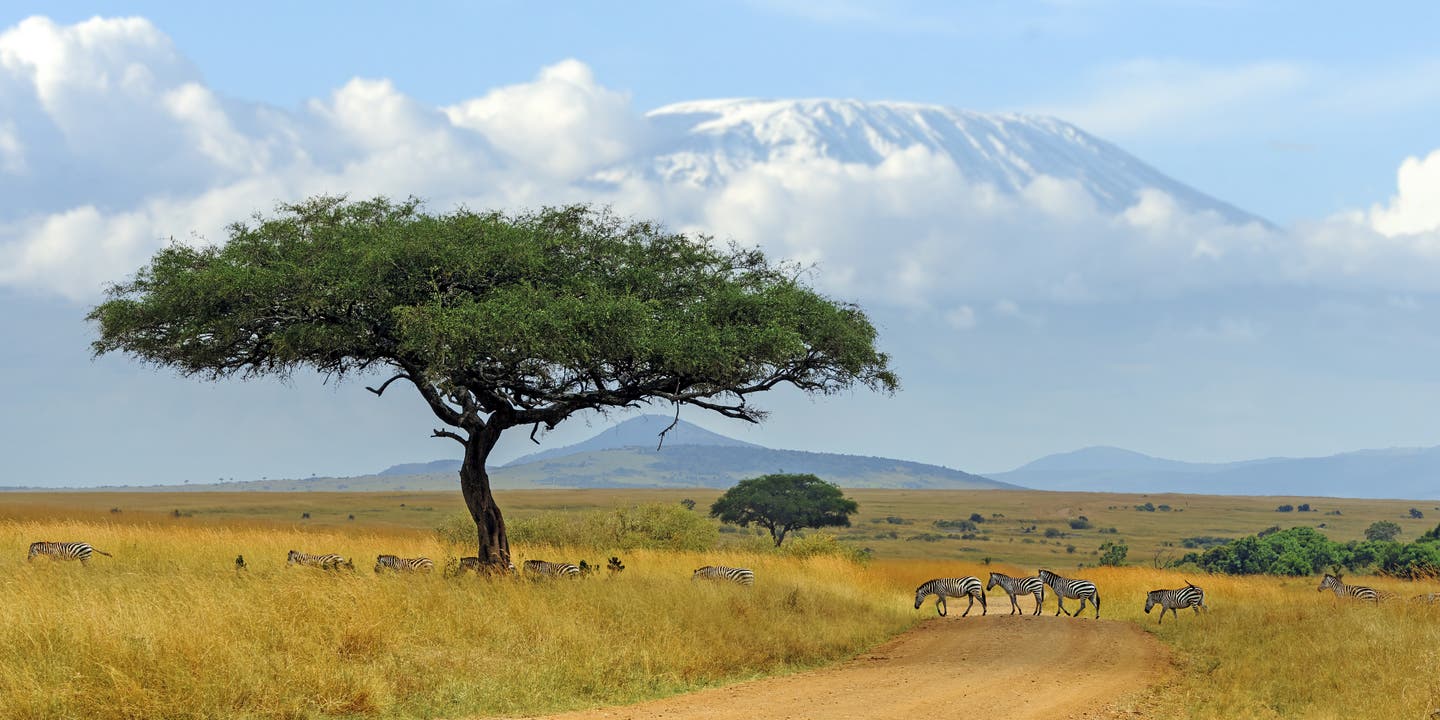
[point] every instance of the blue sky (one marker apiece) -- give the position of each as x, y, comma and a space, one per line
1302, 113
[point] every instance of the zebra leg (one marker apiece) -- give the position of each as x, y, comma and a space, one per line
1097, 605
1039, 600
1060, 605
940, 606
1014, 604
971, 598
984, 605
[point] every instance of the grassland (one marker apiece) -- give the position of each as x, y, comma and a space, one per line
167, 629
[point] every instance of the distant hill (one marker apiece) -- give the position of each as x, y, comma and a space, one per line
624, 456
1386, 473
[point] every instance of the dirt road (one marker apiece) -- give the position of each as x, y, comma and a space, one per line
994, 667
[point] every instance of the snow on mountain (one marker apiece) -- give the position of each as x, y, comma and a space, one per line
703, 143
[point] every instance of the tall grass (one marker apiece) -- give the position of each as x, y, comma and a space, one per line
167, 629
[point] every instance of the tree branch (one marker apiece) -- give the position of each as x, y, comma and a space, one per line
447, 434
671, 426
386, 384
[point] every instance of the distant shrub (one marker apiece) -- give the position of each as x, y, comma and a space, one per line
1053, 533
925, 537
962, 525
1147, 507
823, 544
1334, 512
1080, 523
1203, 542
1070, 549
1113, 553
887, 535
1415, 514
1163, 508
1382, 530
1285, 508
687, 503
893, 520
977, 518
1304, 507
1109, 531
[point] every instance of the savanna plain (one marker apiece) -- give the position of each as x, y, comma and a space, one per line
168, 628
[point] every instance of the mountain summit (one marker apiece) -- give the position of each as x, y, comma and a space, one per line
704, 143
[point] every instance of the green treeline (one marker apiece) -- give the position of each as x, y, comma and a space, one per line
1305, 551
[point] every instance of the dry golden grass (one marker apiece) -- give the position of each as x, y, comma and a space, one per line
167, 629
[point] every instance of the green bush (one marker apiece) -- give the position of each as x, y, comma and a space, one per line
1113, 553
822, 544
655, 526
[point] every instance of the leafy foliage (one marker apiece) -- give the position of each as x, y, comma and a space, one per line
1113, 553
1382, 530
781, 503
1303, 551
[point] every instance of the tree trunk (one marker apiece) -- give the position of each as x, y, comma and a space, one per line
778, 534
494, 546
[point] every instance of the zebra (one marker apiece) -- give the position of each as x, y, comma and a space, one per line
329, 561
1190, 596
1067, 588
469, 564
540, 568
399, 564
739, 576
1015, 586
968, 586
65, 551
1332, 582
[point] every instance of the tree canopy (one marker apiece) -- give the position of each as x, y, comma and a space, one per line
498, 320
784, 502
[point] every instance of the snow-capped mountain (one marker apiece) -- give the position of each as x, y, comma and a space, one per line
705, 142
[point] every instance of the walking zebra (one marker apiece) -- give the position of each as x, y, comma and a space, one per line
1190, 596
1360, 592
399, 564
968, 586
1067, 588
329, 561
540, 568
1016, 586
65, 551
739, 576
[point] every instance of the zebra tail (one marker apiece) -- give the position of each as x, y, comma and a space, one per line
102, 552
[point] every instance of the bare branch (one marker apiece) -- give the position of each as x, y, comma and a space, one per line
533, 430
671, 426
381, 390
447, 434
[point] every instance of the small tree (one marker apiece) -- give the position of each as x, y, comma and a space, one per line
498, 321
1415, 514
784, 502
1382, 530
1113, 553
687, 503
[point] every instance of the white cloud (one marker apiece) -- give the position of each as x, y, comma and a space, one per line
1415, 208
909, 230
563, 124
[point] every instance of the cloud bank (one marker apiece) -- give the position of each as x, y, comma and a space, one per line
111, 145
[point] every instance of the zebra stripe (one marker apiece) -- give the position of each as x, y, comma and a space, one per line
966, 587
328, 561
65, 551
1359, 592
739, 576
1190, 596
1067, 588
1019, 586
399, 564
540, 568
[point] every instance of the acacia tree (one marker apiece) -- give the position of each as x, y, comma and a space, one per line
784, 502
497, 320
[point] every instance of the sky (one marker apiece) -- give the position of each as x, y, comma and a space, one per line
1023, 327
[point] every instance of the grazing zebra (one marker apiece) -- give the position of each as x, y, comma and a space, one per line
469, 564
739, 576
1016, 586
1067, 588
399, 564
968, 586
329, 561
65, 551
1332, 582
1190, 596
540, 568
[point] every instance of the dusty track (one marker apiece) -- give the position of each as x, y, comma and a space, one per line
994, 667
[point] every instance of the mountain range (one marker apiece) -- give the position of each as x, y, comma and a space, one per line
704, 143
1412, 473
